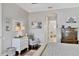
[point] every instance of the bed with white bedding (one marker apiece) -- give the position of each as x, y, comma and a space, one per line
60, 49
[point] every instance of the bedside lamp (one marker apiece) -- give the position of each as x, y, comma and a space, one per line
19, 29
22, 28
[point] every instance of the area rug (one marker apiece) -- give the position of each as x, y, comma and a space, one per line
30, 53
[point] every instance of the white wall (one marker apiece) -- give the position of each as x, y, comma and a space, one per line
12, 11
62, 16
40, 17
0, 29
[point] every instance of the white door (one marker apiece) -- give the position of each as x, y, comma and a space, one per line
52, 30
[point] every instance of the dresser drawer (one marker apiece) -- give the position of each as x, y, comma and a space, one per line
24, 42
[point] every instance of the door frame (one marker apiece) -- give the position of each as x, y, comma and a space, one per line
47, 28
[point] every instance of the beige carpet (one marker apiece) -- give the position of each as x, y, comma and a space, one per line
30, 53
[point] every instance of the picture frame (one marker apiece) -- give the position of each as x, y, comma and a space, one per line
71, 20
36, 25
8, 24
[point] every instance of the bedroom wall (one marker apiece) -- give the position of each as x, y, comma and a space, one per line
12, 11
0, 29
40, 17
62, 15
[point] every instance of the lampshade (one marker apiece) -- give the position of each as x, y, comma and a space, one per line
18, 28
22, 28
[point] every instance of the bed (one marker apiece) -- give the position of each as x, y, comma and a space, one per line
60, 49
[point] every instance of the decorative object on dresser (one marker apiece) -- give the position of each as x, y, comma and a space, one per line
69, 35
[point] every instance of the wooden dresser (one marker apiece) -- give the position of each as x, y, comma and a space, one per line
69, 36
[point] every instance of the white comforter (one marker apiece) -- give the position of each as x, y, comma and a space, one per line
59, 49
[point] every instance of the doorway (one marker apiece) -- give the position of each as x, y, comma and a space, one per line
52, 29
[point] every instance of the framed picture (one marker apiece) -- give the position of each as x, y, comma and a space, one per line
71, 20
36, 25
8, 24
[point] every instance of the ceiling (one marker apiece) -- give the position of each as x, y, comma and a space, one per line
35, 7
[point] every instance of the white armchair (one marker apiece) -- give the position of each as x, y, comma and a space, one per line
33, 42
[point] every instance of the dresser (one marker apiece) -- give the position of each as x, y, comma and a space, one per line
69, 36
20, 43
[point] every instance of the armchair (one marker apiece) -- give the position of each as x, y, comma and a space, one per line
33, 42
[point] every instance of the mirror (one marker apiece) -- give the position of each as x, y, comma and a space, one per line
18, 28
